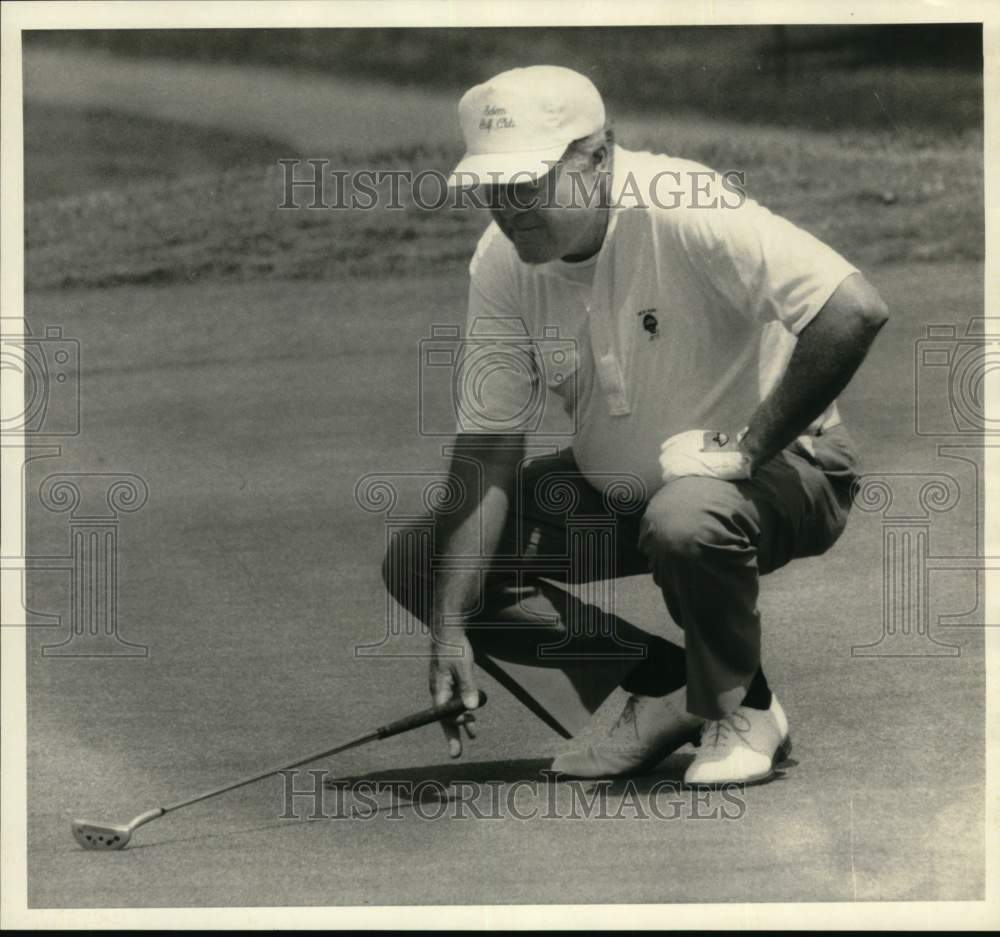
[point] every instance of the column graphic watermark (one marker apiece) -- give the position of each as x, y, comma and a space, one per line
94, 504
36, 417
580, 548
409, 552
956, 375
591, 558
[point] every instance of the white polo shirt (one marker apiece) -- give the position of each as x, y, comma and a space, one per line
685, 319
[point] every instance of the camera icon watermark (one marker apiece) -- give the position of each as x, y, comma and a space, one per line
955, 374
49, 366
498, 379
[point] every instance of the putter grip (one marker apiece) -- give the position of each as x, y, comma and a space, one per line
425, 717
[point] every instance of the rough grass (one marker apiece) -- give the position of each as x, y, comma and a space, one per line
69, 150
144, 172
876, 199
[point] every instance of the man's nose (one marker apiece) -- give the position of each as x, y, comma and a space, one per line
509, 204
507, 214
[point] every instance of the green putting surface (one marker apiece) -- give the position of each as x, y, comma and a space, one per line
252, 575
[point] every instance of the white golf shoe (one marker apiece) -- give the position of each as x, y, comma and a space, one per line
741, 748
648, 729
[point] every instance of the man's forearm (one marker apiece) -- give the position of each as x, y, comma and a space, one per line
828, 352
468, 538
460, 571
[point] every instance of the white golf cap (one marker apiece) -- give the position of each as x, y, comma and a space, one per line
519, 123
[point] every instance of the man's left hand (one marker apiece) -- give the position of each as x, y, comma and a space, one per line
704, 452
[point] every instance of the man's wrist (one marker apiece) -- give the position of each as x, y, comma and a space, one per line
447, 623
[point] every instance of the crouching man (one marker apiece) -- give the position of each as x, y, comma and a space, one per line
711, 340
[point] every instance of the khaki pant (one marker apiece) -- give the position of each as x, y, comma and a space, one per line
705, 542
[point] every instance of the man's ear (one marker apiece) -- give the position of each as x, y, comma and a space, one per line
602, 154
599, 157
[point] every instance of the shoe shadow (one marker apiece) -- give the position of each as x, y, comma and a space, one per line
672, 769
427, 784
430, 782
435, 783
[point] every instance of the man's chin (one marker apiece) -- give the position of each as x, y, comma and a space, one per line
532, 254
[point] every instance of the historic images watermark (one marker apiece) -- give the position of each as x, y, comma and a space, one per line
956, 373
313, 795
48, 365
497, 391
313, 184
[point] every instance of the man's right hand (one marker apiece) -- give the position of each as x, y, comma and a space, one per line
451, 675
485, 469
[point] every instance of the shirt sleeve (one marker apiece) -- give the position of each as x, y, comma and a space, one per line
763, 265
496, 380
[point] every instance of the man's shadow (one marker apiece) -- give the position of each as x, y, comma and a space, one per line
562, 657
444, 782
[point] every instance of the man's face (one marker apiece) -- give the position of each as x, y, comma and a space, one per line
556, 216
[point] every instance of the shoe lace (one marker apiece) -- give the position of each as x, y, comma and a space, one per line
628, 717
717, 732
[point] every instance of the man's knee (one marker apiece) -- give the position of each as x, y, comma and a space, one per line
692, 516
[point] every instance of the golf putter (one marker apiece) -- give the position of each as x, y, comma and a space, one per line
102, 836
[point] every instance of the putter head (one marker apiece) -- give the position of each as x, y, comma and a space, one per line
98, 836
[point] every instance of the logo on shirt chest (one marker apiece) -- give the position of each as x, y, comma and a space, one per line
649, 322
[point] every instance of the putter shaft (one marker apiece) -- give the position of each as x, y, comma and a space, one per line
98, 836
